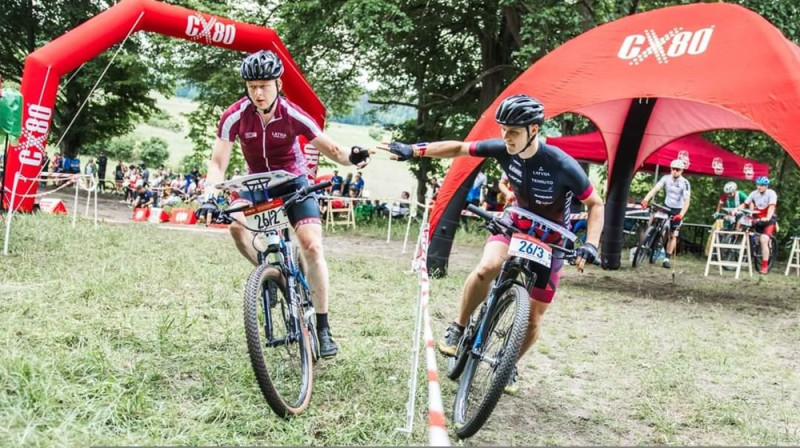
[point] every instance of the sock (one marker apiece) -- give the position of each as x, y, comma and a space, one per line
322, 321
764, 264
666, 259
460, 327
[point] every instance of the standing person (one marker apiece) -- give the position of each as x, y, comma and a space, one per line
102, 161
475, 195
434, 186
528, 163
119, 175
677, 197
336, 181
348, 180
357, 186
90, 169
764, 200
145, 173
268, 127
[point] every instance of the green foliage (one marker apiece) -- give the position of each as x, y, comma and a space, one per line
121, 98
193, 161
162, 119
154, 152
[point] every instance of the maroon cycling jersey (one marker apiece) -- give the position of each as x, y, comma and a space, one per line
269, 146
543, 184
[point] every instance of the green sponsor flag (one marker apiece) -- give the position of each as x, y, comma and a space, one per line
11, 113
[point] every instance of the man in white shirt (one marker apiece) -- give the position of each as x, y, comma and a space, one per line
677, 194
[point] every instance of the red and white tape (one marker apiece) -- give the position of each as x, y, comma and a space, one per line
437, 433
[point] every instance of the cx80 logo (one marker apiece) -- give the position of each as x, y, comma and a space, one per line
677, 42
209, 31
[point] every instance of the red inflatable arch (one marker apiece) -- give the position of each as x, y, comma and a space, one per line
45, 67
644, 81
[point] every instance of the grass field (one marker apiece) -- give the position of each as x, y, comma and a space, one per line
132, 335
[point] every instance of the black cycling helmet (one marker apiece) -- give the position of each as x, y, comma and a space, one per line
262, 65
520, 110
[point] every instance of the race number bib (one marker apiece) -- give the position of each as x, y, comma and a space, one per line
746, 221
267, 216
530, 248
661, 215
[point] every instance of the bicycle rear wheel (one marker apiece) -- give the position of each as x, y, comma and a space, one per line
643, 248
756, 249
729, 254
486, 374
278, 342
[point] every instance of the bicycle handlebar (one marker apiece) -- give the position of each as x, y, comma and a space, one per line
300, 194
569, 254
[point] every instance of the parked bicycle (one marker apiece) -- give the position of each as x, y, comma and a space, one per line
279, 316
655, 237
488, 350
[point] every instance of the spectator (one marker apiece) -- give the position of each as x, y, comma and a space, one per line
401, 208
145, 174
357, 186
102, 161
346, 186
475, 196
336, 181
90, 169
144, 198
119, 175
434, 186
45, 167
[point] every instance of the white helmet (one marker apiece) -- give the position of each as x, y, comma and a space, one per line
730, 187
677, 163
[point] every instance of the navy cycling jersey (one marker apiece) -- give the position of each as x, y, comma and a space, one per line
543, 184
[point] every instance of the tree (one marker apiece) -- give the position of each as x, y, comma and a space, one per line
123, 96
154, 152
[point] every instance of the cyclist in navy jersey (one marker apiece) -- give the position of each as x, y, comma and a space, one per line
268, 126
544, 179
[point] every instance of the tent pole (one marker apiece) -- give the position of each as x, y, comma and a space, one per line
655, 181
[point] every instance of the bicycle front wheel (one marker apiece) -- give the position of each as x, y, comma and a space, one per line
487, 372
278, 342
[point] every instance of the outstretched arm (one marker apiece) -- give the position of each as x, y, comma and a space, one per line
441, 150
342, 156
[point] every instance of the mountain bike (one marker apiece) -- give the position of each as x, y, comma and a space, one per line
488, 350
747, 224
279, 316
655, 237
730, 219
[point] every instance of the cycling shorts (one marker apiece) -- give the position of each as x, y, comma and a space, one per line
674, 226
300, 213
546, 278
767, 228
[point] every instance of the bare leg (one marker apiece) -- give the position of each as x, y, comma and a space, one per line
310, 236
534, 326
477, 285
243, 238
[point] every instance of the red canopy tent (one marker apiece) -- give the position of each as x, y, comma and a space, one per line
646, 80
700, 156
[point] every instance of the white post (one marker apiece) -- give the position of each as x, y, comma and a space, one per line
95, 206
655, 181
88, 199
419, 236
412, 382
10, 212
75, 211
408, 228
389, 232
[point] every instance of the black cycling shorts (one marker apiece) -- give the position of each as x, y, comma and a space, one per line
301, 212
